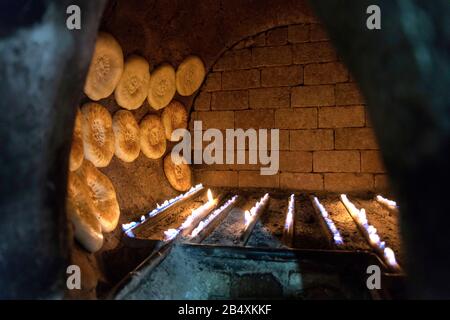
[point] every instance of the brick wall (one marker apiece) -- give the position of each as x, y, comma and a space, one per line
290, 78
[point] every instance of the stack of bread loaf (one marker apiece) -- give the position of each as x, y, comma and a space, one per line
97, 136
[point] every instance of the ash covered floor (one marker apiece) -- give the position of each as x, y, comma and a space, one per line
223, 277
268, 231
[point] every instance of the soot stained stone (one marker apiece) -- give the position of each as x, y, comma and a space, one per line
43, 66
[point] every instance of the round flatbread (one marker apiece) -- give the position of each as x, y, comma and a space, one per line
132, 88
178, 173
162, 86
103, 196
106, 67
98, 136
76, 150
126, 136
82, 214
77, 189
190, 75
153, 140
174, 117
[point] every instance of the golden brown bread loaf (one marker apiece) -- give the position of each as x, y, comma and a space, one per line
174, 117
126, 136
81, 212
162, 86
190, 75
98, 136
153, 140
178, 173
103, 195
132, 88
76, 150
105, 69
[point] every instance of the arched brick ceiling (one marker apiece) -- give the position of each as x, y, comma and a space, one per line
168, 31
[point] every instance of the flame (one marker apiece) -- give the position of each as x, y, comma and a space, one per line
210, 195
363, 217
247, 217
371, 232
290, 213
374, 239
170, 234
127, 226
159, 208
337, 238
250, 215
390, 257
129, 233
195, 213
388, 203
212, 216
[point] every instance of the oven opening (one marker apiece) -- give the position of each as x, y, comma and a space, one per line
222, 150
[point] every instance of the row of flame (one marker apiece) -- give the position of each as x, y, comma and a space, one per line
195, 215
128, 227
359, 215
337, 238
249, 215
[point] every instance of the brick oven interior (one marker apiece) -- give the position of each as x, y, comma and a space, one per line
282, 75
300, 233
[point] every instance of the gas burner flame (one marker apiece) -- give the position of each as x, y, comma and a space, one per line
249, 215
195, 214
210, 195
359, 215
127, 226
159, 208
374, 239
337, 238
290, 212
371, 232
204, 223
170, 234
388, 203
390, 257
